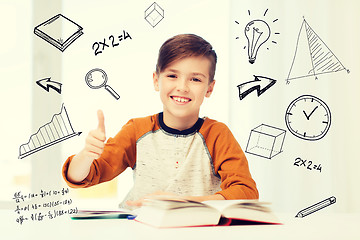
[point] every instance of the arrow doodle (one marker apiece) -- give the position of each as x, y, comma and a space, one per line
46, 84
260, 84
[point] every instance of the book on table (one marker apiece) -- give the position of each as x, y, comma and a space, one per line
178, 212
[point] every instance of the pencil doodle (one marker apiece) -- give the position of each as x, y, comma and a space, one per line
154, 14
57, 130
59, 31
308, 117
260, 84
312, 56
257, 32
46, 84
316, 207
96, 78
265, 141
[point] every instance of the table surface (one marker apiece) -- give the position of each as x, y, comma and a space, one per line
315, 226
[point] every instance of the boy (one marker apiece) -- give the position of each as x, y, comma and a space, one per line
175, 151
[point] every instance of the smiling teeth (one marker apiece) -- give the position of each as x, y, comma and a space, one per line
179, 99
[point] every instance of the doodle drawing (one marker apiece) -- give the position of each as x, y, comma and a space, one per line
57, 130
59, 31
308, 117
257, 32
46, 84
316, 207
265, 141
154, 14
96, 78
312, 56
260, 84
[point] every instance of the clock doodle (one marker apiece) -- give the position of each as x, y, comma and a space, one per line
308, 117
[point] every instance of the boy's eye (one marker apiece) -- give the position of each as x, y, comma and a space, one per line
171, 76
195, 80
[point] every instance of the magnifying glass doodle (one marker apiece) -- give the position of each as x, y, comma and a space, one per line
97, 78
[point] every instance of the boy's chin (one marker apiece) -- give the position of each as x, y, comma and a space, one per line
181, 114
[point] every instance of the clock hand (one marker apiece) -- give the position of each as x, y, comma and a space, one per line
307, 117
313, 111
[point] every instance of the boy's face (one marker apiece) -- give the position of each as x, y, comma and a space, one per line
183, 86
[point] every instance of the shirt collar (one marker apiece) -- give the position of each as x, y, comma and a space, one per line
195, 128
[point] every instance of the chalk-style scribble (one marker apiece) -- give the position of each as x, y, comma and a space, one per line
316, 207
114, 41
59, 31
57, 130
265, 141
46, 84
45, 207
96, 78
154, 14
260, 84
308, 117
312, 56
257, 33
307, 164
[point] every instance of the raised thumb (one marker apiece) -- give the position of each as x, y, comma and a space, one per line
101, 120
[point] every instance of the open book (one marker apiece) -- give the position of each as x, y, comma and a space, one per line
177, 212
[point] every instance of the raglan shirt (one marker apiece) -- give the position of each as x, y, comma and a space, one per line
202, 160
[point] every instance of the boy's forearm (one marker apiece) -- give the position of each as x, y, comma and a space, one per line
79, 167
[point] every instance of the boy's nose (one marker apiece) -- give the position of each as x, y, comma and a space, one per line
182, 85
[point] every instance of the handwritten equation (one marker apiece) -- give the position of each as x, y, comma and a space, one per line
307, 164
44, 207
114, 41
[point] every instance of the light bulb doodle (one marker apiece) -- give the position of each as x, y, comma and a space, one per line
257, 33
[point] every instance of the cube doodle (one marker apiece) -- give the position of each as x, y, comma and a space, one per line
265, 141
154, 14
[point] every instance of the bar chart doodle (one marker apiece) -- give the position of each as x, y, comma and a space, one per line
57, 130
312, 56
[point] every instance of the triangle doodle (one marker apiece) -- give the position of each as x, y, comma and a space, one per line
312, 56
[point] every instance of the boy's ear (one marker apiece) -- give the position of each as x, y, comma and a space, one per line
156, 81
210, 89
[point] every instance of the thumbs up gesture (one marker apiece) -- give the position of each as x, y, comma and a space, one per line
95, 141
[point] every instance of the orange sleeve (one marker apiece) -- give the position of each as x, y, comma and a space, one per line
119, 153
230, 163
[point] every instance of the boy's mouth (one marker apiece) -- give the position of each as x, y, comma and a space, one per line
180, 99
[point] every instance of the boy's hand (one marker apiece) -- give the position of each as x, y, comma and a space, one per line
95, 141
94, 146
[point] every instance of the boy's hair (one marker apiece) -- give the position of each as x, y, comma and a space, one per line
186, 45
